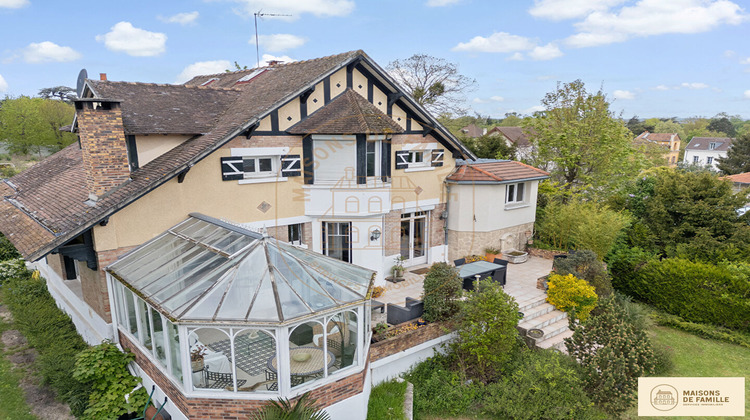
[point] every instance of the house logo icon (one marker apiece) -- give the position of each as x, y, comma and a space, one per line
664, 397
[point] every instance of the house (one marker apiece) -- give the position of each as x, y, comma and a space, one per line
473, 131
670, 142
148, 229
741, 183
517, 136
492, 204
705, 150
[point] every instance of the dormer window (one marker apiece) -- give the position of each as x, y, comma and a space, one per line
712, 145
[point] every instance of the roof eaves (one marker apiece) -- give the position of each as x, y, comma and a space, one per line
507, 181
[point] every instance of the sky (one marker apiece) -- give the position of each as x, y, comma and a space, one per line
652, 58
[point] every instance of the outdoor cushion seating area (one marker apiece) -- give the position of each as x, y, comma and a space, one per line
400, 314
479, 270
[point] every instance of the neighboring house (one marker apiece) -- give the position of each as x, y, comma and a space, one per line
670, 142
741, 183
473, 131
491, 203
183, 182
515, 136
705, 151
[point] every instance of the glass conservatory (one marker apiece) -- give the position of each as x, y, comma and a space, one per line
220, 309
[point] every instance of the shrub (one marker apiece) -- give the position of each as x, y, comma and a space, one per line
105, 367
585, 265
613, 353
702, 330
7, 250
486, 331
442, 287
572, 295
12, 268
541, 384
52, 334
441, 391
378, 291
303, 409
624, 264
697, 291
387, 401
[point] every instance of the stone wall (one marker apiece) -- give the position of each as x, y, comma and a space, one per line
407, 340
461, 244
221, 408
437, 226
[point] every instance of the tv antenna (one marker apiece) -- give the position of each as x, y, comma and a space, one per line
260, 14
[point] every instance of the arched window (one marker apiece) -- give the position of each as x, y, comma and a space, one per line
253, 349
211, 359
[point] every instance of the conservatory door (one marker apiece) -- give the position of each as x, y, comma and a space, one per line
414, 238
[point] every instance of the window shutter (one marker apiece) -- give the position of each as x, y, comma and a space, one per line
291, 165
385, 160
307, 156
437, 157
231, 168
402, 159
361, 159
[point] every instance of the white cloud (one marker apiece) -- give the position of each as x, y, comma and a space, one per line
654, 17
546, 52
623, 94
13, 4
729, 53
203, 67
296, 8
4, 84
441, 3
266, 58
747, 93
661, 87
497, 98
124, 37
498, 42
43, 52
694, 85
745, 61
186, 18
569, 9
533, 109
516, 57
280, 42
488, 100
479, 101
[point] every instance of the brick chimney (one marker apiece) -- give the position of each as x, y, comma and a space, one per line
103, 76
103, 145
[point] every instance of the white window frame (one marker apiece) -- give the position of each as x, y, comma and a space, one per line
513, 189
275, 164
696, 159
377, 159
426, 161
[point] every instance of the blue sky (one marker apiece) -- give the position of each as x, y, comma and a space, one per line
653, 58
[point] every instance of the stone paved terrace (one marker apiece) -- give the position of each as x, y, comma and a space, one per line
520, 283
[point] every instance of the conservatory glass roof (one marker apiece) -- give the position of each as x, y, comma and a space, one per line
206, 270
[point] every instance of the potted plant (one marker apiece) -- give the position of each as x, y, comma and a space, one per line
378, 331
398, 268
491, 253
196, 357
516, 257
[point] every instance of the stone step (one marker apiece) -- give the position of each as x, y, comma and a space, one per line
544, 320
525, 305
536, 311
555, 328
556, 342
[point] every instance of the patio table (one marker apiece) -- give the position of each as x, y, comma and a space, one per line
483, 269
312, 366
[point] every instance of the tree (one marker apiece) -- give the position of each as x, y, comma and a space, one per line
62, 93
486, 331
636, 126
737, 160
722, 125
30, 124
491, 147
433, 82
580, 142
442, 287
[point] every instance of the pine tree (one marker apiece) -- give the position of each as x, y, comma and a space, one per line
738, 157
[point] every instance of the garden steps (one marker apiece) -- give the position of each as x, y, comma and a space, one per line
536, 311
556, 342
544, 320
524, 305
544, 316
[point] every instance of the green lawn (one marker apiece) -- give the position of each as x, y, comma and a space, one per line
696, 356
387, 401
12, 403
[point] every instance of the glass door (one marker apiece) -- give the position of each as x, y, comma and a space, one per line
414, 238
337, 240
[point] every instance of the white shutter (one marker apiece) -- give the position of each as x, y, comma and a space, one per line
333, 158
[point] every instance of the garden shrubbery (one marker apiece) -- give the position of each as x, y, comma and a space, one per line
572, 295
585, 265
442, 287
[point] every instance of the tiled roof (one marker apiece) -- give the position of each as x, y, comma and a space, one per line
348, 113
149, 108
658, 136
743, 178
514, 134
46, 207
495, 172
702, 143
472, 130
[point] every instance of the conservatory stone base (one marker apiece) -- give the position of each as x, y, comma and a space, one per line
228, 408
463, 243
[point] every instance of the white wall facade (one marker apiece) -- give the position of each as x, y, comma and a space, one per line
703, 156
482, 207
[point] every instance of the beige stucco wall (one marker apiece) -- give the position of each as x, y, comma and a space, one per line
150, 147
404, 185
203, 191
482, 208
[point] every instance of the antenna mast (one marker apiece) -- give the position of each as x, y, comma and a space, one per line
257, 14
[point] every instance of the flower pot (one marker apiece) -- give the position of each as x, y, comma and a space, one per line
197, 365
492, 257
516, 257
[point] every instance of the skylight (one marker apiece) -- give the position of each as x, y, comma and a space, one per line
246, 78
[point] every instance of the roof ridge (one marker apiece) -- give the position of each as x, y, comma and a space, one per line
280, 64
491, 175
171, 85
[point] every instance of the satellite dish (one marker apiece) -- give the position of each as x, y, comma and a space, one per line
82, 76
